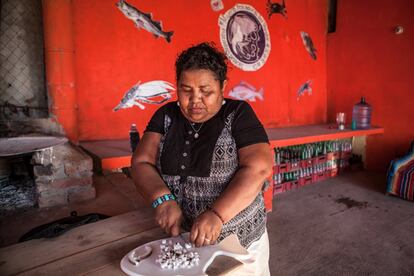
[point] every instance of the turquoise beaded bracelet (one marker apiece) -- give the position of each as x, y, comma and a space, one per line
162, 199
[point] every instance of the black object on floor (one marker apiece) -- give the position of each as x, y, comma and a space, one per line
60, 226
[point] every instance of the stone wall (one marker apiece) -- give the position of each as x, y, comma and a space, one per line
63, 174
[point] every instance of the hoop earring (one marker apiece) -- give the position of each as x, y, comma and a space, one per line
223, 102
178, 103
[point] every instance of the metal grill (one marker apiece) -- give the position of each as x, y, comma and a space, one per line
22, 77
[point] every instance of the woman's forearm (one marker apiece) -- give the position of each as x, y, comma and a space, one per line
148, 181
144, 172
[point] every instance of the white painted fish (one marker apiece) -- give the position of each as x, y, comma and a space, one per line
246, 92
143, 20
146, 93
303, 88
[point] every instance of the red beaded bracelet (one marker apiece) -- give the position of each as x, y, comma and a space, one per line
217, 214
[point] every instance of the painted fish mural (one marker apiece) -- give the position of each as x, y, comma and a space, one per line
304, 88
143, 20
307, 41
146, 92
246, 92
276, 8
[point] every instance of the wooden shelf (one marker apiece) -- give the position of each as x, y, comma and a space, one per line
115, 154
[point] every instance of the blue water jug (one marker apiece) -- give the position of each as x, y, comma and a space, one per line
361, 115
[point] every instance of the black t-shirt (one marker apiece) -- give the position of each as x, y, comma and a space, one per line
182, 150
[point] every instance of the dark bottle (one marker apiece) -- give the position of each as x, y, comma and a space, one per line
133, 137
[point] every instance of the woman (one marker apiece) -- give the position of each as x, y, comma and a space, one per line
202, 160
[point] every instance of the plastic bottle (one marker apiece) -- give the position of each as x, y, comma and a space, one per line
133, 137
361, 115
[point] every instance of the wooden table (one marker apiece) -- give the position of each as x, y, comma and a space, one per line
92, 249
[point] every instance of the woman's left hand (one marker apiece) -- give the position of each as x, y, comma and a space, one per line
206, 229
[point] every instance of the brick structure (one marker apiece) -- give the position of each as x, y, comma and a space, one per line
63, 174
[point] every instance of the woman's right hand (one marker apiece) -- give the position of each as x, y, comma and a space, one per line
169, 216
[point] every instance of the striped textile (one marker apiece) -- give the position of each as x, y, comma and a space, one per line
400, 176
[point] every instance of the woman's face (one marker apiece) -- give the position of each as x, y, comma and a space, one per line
199, 94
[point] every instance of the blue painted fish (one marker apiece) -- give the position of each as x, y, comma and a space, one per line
146, 93
276, 8
307, 41
303, 88
143, 20
246, 92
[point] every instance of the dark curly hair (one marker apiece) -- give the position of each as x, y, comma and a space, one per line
202, 56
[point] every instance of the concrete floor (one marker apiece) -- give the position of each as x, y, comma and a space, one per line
341, 226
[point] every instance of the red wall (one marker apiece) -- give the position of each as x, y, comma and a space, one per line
112, 55
365, 58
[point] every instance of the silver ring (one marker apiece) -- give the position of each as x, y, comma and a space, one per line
207, 240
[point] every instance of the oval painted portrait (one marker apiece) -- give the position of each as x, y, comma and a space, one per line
245, 38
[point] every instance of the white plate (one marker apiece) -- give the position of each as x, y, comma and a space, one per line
230, 246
